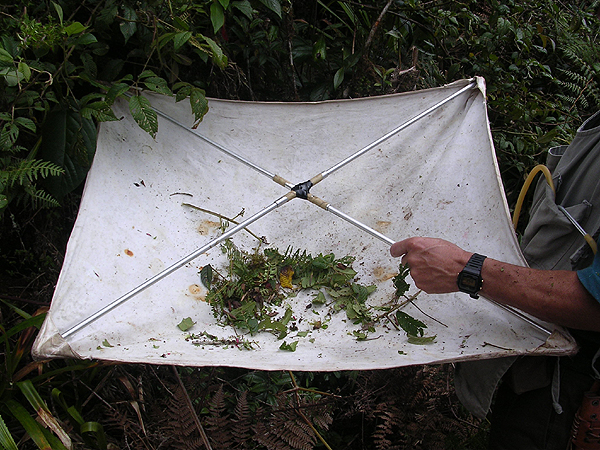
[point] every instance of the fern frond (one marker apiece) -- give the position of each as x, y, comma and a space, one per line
41, 199
241, 429
218, 425
579, 84
286, 430
389, 418
8, 136
577, 79
297, 434
28, 171
181, 428
322, 419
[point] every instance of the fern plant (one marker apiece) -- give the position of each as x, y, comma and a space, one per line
23, 174
579, 85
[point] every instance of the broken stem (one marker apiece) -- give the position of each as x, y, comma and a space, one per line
222, 217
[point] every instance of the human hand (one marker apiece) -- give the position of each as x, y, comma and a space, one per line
434, 263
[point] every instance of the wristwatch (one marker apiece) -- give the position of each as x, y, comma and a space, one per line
469, 280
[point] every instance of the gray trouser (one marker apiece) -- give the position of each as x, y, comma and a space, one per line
528, 420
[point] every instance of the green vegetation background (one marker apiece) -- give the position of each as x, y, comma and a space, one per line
62, 65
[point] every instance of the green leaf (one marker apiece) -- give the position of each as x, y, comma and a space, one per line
180, 24
217, 16
94, 432
421, 340
32, 395
25, 122
548, 137
5, 56
409, 324
59, 11
268, 324
8, 135
244, 6
164, 39
273, 5
288, 347
206, 275
44, 414
146, 74
75, 28
186, 324
217, 54
338, 78
143, 114
6, 440
181, 38
24, 70
105, 343
69, 141
128, 26
12, 76
35, 321
319, 299
159, 85
199, 104
399, 280
360, 335
287, 316
320, 50
86, 39
182, 91
116, 90
30, 425
100, 111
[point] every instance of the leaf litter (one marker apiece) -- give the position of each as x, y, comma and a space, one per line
250, 295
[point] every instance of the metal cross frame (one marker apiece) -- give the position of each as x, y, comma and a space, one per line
300, 190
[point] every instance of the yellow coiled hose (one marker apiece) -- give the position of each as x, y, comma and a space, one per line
542, 168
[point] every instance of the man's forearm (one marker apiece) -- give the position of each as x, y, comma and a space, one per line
555, 296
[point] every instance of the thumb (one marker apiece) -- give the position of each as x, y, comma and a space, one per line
399, 248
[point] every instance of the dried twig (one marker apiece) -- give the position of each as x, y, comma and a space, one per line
376, 26
222, 217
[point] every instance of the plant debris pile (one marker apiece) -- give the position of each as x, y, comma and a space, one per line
251, 296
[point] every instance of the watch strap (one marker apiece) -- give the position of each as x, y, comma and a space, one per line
476, 262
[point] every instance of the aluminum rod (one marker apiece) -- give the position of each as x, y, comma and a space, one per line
572, 220
274, 177
521, 316
360, 225
396, 130
169, 270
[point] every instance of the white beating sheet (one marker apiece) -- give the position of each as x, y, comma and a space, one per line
436, 177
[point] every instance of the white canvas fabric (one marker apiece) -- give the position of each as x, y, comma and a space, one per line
436, 177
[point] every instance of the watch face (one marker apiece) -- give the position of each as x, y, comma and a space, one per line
469, 282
